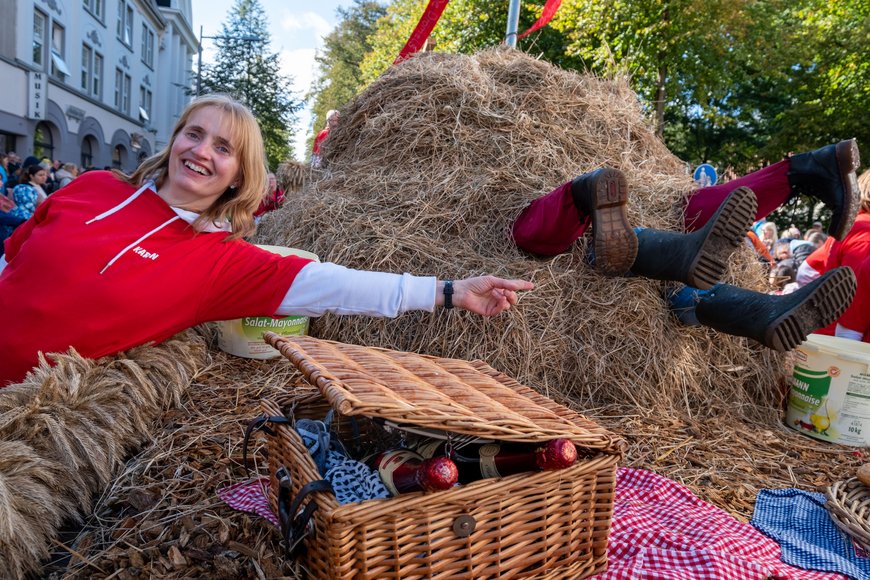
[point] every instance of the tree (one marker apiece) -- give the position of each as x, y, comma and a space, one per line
340, 78
245, 69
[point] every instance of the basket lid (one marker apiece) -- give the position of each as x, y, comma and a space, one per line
465, 397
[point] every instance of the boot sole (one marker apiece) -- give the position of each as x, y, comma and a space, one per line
825, 304
615, 241
848, 161
730, 224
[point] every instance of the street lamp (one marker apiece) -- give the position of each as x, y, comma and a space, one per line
245, 38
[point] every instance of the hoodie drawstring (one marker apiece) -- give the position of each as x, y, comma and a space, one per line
123, 204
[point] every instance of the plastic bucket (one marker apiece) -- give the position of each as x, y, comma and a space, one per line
244, 336
829, 398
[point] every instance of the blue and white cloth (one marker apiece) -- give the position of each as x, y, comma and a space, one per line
807, 535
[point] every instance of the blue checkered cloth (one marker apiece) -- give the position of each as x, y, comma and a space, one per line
808, 537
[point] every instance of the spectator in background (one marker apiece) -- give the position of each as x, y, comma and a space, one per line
332, 117
769, 236
6, 203
65, 174
273, 199
793, 233
782, 278
782, 250
25, 195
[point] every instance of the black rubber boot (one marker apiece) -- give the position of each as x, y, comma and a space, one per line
697, 259
603, 194
828, 174
778, 322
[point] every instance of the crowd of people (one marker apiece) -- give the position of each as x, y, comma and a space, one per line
146, 255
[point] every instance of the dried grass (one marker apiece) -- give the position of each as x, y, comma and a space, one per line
427, 170
66, 430
161, 517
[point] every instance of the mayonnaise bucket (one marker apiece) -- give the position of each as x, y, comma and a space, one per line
829, 398
244, 336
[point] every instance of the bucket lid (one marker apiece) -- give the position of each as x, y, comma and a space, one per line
465, 397
844, 348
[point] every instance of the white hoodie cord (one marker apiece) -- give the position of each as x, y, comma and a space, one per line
123, 204
136, 243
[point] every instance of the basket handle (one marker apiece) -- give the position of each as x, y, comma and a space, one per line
259, 424
295, 526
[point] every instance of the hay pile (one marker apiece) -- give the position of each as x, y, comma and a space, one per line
426, 172
66, 431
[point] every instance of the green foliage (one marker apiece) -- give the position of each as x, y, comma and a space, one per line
246, 70
340, 77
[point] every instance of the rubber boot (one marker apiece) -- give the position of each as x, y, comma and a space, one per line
602, 195
778, 322
699, 258
828, 175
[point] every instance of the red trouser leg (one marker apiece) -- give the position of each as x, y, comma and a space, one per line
770, 185
550, 224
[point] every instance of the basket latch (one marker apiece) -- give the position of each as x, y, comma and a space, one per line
464, 525
296, 525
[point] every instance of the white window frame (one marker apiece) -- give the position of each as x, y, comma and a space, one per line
87, 68
119, 83
95, 7
146, 99
97, 86
147, 46
39, 38
124, 28
125, 97
59, 68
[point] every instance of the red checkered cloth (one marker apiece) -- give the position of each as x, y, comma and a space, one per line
662, 531
249, 496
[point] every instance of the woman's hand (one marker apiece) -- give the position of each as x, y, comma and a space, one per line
485, 295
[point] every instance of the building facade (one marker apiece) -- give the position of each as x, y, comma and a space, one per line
98, 83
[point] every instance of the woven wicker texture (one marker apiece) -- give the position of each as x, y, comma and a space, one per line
550, 524
470, 398
849, 506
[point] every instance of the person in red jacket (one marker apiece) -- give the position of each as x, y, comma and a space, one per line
331, 120
114, 261
273, 199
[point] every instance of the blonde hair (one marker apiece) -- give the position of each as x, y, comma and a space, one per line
236, 204
864, 187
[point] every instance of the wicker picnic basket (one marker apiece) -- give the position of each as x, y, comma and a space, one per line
549, 524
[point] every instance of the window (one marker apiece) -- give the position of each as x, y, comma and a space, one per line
59, 69
95, 7
43, 145
87, 70
87, 152
145, 99
124, 30
98, 76
147, 46
92, 71
122, 91
40, 29
119, 155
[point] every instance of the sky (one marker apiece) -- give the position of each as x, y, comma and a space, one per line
297, 28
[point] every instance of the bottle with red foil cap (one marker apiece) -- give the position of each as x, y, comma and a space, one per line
477, 461
404, 471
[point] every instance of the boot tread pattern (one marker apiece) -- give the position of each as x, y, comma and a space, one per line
825, 304
729, 227
614, 239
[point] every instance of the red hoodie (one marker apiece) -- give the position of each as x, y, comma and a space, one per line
104, 267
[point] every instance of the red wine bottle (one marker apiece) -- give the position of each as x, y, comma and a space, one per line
477, 461
404, 471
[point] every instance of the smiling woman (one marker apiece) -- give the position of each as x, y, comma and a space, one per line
142, 257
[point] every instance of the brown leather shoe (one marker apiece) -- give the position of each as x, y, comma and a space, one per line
603, 194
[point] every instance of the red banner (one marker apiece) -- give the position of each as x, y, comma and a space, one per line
549, 11
427, 22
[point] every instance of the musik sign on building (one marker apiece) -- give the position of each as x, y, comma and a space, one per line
97, 83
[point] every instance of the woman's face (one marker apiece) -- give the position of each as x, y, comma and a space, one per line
203, 161
273, 182
40, 176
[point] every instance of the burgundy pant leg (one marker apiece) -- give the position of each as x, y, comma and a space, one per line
550, 224
770, 185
